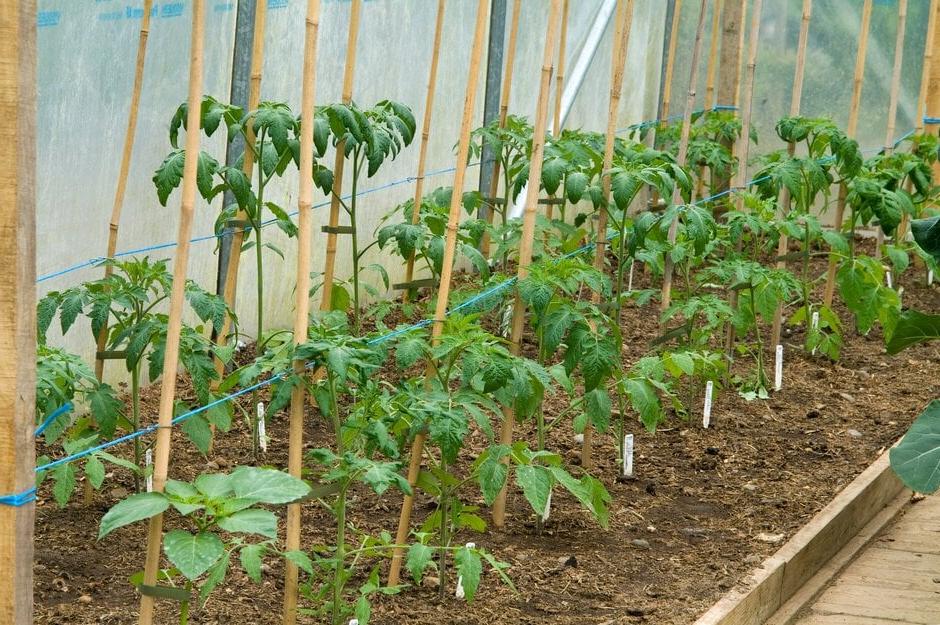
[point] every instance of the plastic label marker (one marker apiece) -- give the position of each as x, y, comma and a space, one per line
778, 369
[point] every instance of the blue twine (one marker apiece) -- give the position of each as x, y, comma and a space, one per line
931, 120
55, 415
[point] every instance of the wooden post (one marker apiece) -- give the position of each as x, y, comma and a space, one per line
17, 305
450, 244
896, 78
784, 199
505, 91
713, 56
171, 355
743, 147
932, 104
683, 150
528, 230
618, 60
732, 51
425, 134
559, 88
348, 75
301, 294
230, 283
857, 82
123, 173
670, 64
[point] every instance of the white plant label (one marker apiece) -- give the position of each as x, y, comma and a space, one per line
630, 281
707, 411
459, 593
778, 369
548, 507
148, 461
262, 438
888, 279
628, 455
900, 294
929, 277
815, 324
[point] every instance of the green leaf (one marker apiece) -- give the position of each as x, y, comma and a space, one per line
261, 522
215, 577
105, 408
492, 474
94, 472
913, 327
169, 175
916, 459
251, 557
575, 186
199, 432
64, 476
536, 484
589, 491
301, 560
192, 554
469, 567
927, 234
267, 485
419, 558
134, 508
597, 405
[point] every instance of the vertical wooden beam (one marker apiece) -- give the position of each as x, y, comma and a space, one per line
732, 33
443, 295
528, 229
670, 63
171, 356
854, 107
618, 60
301, 293
683, 151
503, 114
927, 67
713, 56
425, 134
784, 199
17, 304
559, 86
895, 91
329, 265
932, 104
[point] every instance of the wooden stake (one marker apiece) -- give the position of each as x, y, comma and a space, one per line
528, 228
230, 284
670, 64
425, 133
743, 147
117, 206
348, 75
171, 355
17, 305
504, 93
618, 62
857, 82
450, 244
301, 294
896, 78
559, 87
932, 105
683, 150
713, 56
784, 200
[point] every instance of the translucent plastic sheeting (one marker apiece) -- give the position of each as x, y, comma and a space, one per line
830, 64
86, 64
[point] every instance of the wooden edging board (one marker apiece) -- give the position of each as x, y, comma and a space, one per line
850, 520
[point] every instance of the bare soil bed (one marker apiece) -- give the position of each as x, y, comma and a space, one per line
707, 505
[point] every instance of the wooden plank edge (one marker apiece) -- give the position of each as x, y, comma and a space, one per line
782, 575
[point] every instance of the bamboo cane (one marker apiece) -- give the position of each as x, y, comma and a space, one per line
301, 294
528, 229
171, 355
854, 107
329, 265
505, 92
713, 56
740, 54
784, 199
559, 87
450, 244
683, 151
425, 134
248, 164
743, 147
932, 101
121, 189
670, 64
618, 62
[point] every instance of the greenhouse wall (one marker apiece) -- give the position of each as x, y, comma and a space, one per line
83, 111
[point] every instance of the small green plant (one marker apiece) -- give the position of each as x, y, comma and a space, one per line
224, 515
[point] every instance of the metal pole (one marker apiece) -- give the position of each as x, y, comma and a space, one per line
493, 93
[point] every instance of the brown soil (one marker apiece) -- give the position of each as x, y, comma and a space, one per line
682, 534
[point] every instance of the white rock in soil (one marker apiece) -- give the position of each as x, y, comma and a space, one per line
773, 539
854, 433
642, 544
579, 439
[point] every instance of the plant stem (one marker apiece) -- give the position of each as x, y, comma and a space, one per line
184, 606
355, 241
259, 267
135, 416
445, 534
806, 277
339, 572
